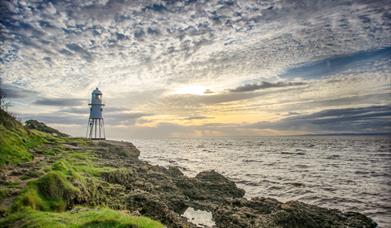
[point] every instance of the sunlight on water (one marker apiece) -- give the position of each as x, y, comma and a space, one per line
199, 217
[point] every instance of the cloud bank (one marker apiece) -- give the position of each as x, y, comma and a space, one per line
254, 61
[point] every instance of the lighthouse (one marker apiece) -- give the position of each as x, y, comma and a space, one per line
95, 128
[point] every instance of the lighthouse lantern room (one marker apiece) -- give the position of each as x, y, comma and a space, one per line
95, 128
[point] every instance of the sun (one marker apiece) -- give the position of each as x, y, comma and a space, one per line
191, 89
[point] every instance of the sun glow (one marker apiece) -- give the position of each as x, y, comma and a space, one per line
191, 89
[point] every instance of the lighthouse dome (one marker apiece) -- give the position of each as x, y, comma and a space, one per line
97, 92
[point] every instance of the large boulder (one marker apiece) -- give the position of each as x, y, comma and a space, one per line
216, 186
117, 153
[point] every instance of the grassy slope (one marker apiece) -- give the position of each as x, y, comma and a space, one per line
65, 177
15, 140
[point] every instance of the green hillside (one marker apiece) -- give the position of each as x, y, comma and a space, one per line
16, 140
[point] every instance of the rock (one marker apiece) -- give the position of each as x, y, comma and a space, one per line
165, 193
217, 186
151, 205
170, 190
116, 151
267, 212
36, 125
174, 171
71, 146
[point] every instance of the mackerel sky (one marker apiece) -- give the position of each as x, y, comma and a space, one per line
199, 68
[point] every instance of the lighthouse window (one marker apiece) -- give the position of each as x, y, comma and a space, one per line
98, 97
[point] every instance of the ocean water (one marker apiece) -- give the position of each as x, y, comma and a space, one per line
344, 172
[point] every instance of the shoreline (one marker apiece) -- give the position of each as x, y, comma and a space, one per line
71, 176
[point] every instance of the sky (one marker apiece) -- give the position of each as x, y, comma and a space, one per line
198, 68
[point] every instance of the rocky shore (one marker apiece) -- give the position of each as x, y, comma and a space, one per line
165, 193
69, 176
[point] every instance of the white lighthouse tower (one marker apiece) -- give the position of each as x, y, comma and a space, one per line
95, 128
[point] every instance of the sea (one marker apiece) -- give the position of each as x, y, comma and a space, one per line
350, 173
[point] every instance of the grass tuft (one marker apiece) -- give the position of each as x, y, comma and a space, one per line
52, 192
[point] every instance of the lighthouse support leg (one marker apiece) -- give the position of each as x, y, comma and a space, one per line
95, 128
103, 126
90, 128
100, 128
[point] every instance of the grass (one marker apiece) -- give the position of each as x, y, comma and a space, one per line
3, 193
80, 217
46, 201
13, 148
85, 162
71, 179
54, 191
16, 140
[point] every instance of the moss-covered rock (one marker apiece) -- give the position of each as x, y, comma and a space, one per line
34, 124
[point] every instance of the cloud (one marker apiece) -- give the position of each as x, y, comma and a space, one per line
75, 48
75, 118
370, 119
60, 102
198, 117
335, 64
112, 115
125, 115
208, 91
75, 110
123, 118
55, 118
13, 92
265, 85
84, 110
188, 100
156, 7
355, 100
187, 41
138, 52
